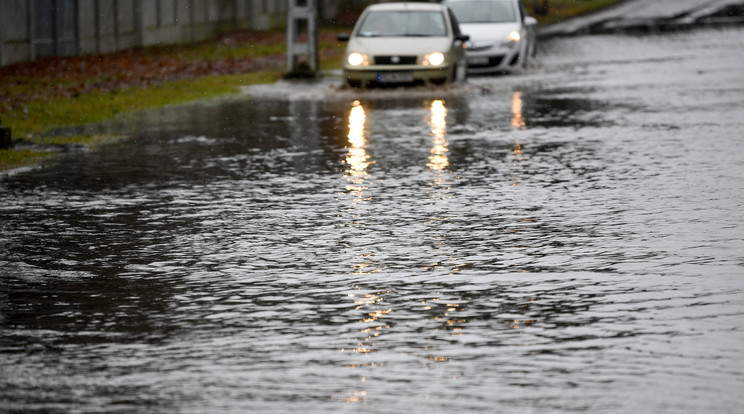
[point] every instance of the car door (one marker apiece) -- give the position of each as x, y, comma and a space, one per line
528, 29
458, 49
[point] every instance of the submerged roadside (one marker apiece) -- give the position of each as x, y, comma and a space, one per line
39, 99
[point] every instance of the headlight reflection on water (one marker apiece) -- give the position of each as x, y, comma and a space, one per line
357, 157
438, 159
518, 123
517, 116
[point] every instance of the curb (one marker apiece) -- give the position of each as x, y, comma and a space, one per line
721, 14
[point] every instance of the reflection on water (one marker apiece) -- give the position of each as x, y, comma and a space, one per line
440, 315
517, 122
366, 305
357, 157
438, 159
516, 106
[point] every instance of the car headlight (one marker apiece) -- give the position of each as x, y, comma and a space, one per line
434, 59
357, 59
513, 38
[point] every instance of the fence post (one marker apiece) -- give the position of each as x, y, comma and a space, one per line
2, 42
249, 15
97, 25
234, 14
116, 25
139, 23
30, 27
302, 11
192, 25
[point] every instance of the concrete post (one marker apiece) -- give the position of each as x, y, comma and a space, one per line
97, 25
192, 24
234, 6
249, 15
302, 11
31, 29
116, 25
139, 23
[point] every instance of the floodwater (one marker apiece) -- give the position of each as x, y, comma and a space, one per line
565, 239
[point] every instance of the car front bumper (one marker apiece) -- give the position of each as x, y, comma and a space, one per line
398, 74
493, 60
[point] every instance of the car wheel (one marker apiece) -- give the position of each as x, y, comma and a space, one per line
352, 83
460, 73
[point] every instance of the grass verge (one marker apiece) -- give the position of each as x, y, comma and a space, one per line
11, 158
42, 115
41, 96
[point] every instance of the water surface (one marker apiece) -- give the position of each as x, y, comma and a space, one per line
564, 239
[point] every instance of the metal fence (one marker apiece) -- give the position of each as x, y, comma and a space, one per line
36, 28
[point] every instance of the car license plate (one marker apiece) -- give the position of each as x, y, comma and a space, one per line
478, 60
394, 77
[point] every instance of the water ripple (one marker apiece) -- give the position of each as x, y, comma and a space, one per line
544, 242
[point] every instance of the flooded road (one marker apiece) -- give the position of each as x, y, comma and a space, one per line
566, 239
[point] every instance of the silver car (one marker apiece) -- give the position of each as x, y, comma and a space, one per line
405, 43
502, 36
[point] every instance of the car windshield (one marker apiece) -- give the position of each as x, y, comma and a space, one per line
389, 23
483, 11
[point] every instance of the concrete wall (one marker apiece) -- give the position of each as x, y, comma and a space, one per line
103, 26
16, 34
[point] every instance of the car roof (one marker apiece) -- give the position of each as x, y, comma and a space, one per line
406, 6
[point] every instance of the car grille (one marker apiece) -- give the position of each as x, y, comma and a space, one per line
514, 60
492, 61
395, 60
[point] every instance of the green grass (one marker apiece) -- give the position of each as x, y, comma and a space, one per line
44, 98
215, 52
11, 158
90, 141
42, 115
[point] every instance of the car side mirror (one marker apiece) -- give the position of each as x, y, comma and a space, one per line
343, 37
530, 21
462, 37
